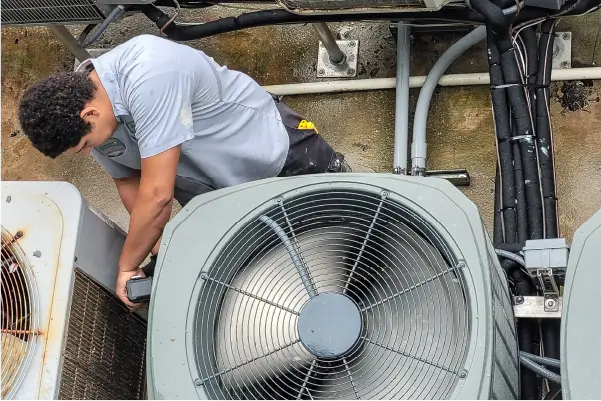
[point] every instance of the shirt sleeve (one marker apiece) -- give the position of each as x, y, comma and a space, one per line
161, 106
112, 168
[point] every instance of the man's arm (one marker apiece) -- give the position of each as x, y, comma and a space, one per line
150, 213
159, 97
128, 192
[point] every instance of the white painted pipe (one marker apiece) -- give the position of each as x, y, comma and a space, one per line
569, 74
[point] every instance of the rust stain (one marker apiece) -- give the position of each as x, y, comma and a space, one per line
14, 239
29, 332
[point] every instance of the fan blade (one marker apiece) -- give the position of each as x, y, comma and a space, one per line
259, 314
416, 321
379, 373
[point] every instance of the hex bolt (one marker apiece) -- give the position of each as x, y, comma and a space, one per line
351, 44
351, 71
565, 64
566, 36
321, 71
519, 300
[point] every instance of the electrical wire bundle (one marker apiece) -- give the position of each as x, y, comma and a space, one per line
520, 61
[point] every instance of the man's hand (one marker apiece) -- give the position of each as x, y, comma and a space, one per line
122, 279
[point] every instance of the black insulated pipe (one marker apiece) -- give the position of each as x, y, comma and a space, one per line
544, 141
525, 138
520, 195
526, 331
504, 146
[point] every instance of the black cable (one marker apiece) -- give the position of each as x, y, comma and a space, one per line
281, 16
531, 46
497, 226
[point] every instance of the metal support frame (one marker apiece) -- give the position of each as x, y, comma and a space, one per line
401, 125
335, 58
63, 34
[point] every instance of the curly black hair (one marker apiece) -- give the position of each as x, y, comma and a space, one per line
50, 109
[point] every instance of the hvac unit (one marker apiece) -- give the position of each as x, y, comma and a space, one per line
580, 323
64, 333
367, 286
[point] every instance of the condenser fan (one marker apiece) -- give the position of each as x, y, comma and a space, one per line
335, 291
20, 326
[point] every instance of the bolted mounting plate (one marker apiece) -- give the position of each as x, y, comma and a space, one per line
562, 51
325, 68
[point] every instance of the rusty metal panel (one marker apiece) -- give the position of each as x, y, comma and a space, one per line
104, 355
17, 12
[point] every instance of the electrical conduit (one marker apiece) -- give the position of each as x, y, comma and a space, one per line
401, 125
419, 147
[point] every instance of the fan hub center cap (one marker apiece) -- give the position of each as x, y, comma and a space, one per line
329, 325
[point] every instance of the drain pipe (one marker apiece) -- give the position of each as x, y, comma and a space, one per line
419, 146
401, 125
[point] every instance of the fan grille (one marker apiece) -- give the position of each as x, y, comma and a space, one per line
379, 258
19, 313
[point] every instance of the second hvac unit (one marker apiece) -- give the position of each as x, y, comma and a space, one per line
580, 323
365, 286
64, 334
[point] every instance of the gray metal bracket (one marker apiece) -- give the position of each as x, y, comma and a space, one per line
562, 51
335, 58
348, 68
536, 307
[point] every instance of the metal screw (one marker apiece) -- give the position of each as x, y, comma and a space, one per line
351, 44
321, 71
566, 36
519, 300
463, 373
19, 234
460, 265
351, 71
197, 383
204, 276
565, 64
550, 303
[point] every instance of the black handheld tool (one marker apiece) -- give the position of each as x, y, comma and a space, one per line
138, 288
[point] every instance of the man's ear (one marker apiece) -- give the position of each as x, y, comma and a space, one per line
89, 112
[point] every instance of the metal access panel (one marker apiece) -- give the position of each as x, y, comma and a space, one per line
43, 12
581, 318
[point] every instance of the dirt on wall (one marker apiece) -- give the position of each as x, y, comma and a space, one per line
27, 55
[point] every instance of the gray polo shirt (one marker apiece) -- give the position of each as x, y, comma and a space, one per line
166, 94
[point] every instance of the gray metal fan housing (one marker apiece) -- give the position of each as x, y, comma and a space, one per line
580, 323
401, 295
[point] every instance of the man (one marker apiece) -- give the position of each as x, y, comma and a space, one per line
166, 122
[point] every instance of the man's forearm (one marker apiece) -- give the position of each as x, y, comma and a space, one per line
147, 222
128, 192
